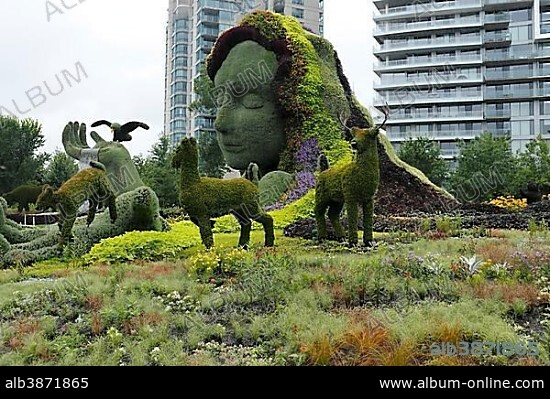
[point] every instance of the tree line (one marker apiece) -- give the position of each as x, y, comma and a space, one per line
486, 167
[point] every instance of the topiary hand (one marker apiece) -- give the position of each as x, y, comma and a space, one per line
120, 168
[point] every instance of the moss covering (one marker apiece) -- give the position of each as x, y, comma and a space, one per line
312, 93
306, 83
207, 198
136, 210
352, 185
90, 185
11, 232
273, 186
23, 196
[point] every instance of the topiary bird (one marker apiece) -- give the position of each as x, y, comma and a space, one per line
122, 132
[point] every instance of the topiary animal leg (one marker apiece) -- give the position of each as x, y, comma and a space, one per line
112, 208
334, 212
320, 211
368, 221
206, 231
66, 228
353, 213
246, 226
267, 221
91, 212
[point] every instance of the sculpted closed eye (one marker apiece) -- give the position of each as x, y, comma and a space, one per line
253, 101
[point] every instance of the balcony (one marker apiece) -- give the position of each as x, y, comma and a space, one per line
512, 56
506, 4
508, 75
401, 117
209, 32
490, 19
503, 95
496, 40
209, 18
406, 27
498, 114
405, 98
437, 79
454, 153
501, 132
394, 46
429, 62
427, 8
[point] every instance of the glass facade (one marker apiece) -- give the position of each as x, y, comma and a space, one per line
451, 70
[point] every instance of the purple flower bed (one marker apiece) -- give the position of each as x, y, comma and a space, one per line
305, 178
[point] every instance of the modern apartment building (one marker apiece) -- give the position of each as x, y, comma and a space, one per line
451, 70
193, 27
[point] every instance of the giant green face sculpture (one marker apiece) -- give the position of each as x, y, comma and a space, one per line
249, 125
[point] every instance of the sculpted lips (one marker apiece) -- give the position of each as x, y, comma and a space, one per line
232, 147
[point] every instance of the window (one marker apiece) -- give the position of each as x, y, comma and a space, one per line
522, 128
180, 49
299, 2
178, 87
180, 62
298, 13
181, 24
178, 112
522, 109
521, 33
179, 99
520, 15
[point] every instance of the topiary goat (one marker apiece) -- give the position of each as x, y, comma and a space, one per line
207, 198
90, 185
351, 185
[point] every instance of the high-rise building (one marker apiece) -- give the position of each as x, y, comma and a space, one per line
193, 27
451, 70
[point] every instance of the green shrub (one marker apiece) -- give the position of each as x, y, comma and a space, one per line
301, 209
145, 245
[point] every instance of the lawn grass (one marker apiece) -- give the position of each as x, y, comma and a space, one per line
298, 304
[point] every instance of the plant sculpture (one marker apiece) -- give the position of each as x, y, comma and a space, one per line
351, 185
270, 72
90, 185
23, 196
533, 193
122, 132
207, 198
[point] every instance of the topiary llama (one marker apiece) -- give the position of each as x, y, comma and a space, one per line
207, 198
351, 185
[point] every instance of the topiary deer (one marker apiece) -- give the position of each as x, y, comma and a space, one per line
207, 198
351, 185
90, 185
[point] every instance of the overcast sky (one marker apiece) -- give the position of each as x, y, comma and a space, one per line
117, 50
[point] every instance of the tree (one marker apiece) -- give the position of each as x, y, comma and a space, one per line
156, 171
486, 168
533, 165
60, 169
204, 87
211, 160
19, 141
425, 155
